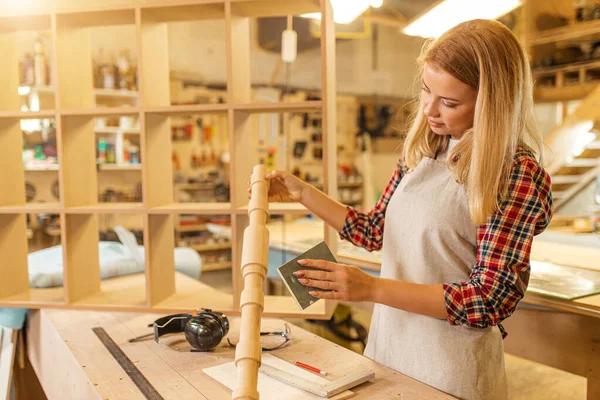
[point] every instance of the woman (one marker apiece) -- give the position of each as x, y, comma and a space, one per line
460, 212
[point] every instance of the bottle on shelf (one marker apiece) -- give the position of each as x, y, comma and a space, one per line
102, 147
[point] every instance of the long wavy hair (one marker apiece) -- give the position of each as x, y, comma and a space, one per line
487, 56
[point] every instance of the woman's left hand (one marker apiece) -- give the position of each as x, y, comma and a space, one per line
344, 282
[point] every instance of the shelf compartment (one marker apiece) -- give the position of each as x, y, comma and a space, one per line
192, 208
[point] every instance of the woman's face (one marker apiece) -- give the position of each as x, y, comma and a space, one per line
449, 104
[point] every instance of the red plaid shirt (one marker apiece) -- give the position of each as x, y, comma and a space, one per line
499, 278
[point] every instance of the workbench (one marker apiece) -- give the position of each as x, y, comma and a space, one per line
71, 362
564, 334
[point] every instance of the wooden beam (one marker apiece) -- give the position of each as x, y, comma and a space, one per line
583, 182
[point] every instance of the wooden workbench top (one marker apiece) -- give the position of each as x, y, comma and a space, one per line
71, 363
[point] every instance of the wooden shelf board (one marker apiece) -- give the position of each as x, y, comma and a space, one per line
570, 92
191, 228
120, 167
28, 114
185, 11
107, 17
123, 291
108, 208
566, 68
192, 208
350, 185
195, 186
25, 23
110, 130
211, 247
102, 112
42, 168
31, 208
35, 298
116, 93
191, 294
302, 106
218, 266
279, 209
179, 110
267, 8
568, 32
286, 307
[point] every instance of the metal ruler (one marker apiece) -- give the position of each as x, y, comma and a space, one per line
136, 376
326, 390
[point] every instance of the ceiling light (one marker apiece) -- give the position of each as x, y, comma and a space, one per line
376, 3
344, 11
450, 13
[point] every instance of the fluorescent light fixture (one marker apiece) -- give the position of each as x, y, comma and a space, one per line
344, 11
450, 13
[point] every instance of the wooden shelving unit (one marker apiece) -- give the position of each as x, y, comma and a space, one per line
159, 289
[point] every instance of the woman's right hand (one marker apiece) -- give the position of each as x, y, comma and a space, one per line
284, 187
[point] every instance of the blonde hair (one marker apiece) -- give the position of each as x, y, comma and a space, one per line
488, 57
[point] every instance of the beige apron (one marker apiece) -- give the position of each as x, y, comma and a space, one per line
429, 238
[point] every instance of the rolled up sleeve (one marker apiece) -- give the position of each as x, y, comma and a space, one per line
501, 273
365, 229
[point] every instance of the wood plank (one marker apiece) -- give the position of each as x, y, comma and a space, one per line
569, 32
266, 8
158, 167
189, 12
32, 208
81, 258
573, 190
154, 63
75, 80
124, 16
280, 209
192, 208
8, 349
107, 208
160, 262
184, 110
170, 367
78, 146
301, 106
271, 388
9, 70
13, 253
12, 174
27, 114
328, 76
25, 23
